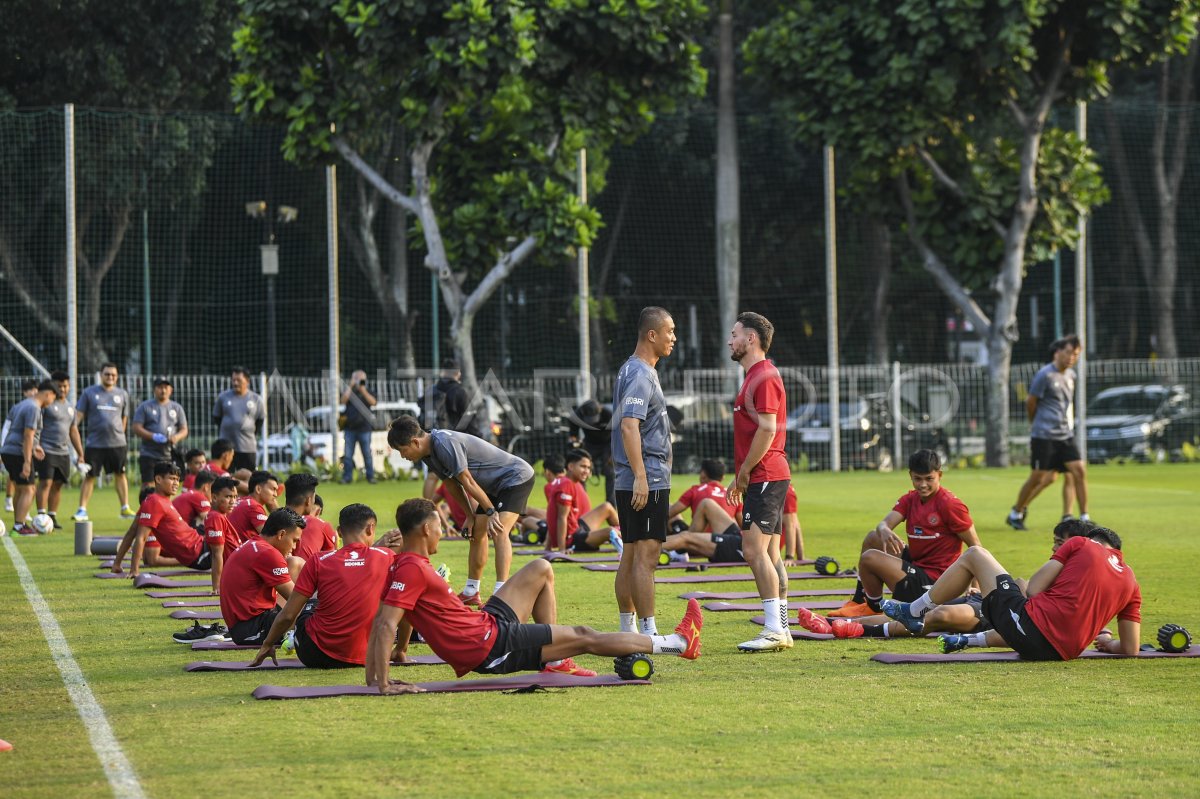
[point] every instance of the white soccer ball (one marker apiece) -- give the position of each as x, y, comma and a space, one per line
43, 524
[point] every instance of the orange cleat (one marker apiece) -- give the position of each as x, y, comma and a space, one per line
814, 623
852, 610
689, 629
568, 666
471, 601
844, 628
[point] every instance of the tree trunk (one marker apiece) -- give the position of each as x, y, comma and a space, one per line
728, 215
999, 349
879, 262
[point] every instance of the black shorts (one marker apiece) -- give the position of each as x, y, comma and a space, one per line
244, 460
518, 646
915, 582
107, 459
13, 464
254, 631
1052, 455
146, 464
579, 540
204, 562
512, 499
1004, 609
647, 524
763, 506
54, 467
307, 650
976, 603
729, 548
732, 529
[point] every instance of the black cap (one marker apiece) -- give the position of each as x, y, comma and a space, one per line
163, 380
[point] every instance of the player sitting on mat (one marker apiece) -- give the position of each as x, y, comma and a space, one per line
216, 523
195, 503
331, 630
712, 472
494, 640
152, 556
257, 580
938, 526
571, 521
1063, 609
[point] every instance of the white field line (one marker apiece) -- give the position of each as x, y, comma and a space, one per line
117, 767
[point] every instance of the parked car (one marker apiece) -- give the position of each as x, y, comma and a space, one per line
1146, 422
310, 441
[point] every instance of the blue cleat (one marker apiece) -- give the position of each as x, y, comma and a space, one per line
952, 643
898, 611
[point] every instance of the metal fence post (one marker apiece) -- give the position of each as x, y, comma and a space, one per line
331, 222
72, 286
831, 315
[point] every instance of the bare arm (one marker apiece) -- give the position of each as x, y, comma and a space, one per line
27, 447
379, 650
283, 622
141, 432
123, 547
759, 445
1043, 578
1128, 643
76, 441
180, 434
676, 509
1031, 403
886, 529
218, 563
631, 437
563, 512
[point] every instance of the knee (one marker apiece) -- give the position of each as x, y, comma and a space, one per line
871, 557
974, 552
542, 568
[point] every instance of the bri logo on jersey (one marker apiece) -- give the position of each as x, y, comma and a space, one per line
397, 587
634, 401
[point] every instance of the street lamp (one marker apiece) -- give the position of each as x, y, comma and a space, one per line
284, 215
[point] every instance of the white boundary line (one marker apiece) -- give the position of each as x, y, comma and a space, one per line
117, 767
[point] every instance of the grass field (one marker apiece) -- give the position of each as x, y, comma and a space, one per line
819, 720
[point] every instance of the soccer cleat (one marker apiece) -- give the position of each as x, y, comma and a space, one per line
689, 629
568, 666
24, 529
767, 641
614, 538
952, 643
1016, 520
675, 556
80, 515
215, 632
287, 647
844, 628
899, 611
851, 610
471, 600
1066, 518
814, 623
127, 512
54, 518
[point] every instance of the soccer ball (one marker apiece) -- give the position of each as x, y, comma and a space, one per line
43, 524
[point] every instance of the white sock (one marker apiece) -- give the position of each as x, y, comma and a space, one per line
783, 614
41, 510
499, 584
887, 633
977, 639
1083, 517
672, 644
628, 622
648, 626
921, 605
771, 611
553, 662
471, 588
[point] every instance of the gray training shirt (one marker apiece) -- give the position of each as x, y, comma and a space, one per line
238, 415
494, 469
57, 418
159, 418
638, 395
1055, 415
104, 413
25, 414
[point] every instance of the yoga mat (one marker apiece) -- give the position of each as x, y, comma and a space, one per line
722, 607
732, 595
154, 581
184, 594
1009, 655
745, 578
221, 645
164, 573
691, 564
558, 557
196, 614
290, 663
449, 686
196, 603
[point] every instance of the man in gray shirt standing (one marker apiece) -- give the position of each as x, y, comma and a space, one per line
59, 435
21, 447
104, 409
641, 451
161, 424
1051, 409
491, 484
239, 415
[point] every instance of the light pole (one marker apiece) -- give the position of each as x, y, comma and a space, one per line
284, 214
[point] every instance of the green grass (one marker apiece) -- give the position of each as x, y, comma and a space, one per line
818, 720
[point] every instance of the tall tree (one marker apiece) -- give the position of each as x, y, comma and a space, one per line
495, 98
949, 101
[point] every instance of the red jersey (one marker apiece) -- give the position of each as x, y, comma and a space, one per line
247, 517
176, 538
763, 391
191, 504
350, 580
1093, 586
460, 636
789, 501
216, 469
710, 490
189, 481
932, 527
218, 530
318, 536
562, 491
249, 579
456, 511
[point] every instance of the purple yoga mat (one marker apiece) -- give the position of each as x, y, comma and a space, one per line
178, 594
744, 578
164, 573
195, 603
732, 595
206, 615
449, 686
1009, 655
558, 557
691, 564
722, 607
222, 645
154, 581
291, 663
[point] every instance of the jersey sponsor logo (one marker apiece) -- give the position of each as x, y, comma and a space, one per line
396, 586
1115, 562
144, 516
279, 571
634, 401
919, 532
353, 555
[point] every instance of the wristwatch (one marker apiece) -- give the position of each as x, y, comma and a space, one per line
489, 512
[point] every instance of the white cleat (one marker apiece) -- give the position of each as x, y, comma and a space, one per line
767, 641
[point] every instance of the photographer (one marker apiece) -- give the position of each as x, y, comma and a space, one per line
360, 421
